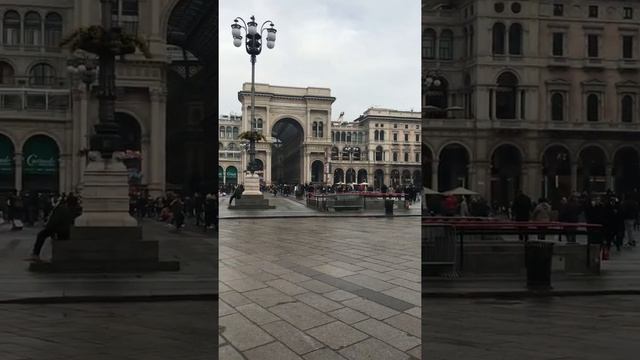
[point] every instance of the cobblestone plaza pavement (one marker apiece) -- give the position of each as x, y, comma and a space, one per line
108, 331
320, 288
564, 328
60, 326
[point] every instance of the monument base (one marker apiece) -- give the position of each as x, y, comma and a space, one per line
105, 237
251, 202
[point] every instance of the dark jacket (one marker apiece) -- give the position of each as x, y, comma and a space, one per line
521, 208
60, 222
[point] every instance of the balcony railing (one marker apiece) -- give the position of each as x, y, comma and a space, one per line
34, 100
37, 82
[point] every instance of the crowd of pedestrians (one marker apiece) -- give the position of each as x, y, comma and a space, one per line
177, 210
619, 215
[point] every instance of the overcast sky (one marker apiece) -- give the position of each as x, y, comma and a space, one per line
367, 52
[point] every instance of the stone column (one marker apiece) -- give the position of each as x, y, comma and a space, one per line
146, 166
157, 158
62, 174
574, 178
18, 169
434, 174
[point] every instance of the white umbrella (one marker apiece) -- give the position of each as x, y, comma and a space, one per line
427, 191
460, 191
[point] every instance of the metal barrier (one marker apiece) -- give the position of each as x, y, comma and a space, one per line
438, 248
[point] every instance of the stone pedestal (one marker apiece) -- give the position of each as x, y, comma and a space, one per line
105, 237
252, 198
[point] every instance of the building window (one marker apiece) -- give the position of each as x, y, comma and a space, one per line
558, 44
406, 157
558, 10
222, 132
52, 30
334, 153
417, 157
593, 11
498, 7
592, 45
42, 75
428, 45
236, 133
406, 126
395, 126
348, 137
627, 47
124, 14
376, 135
395, 137
381, 135
593, 107
516, 8
627, 109
417, 137
315, 129
321, 129
379, 153
506, 94
395, 156
446, 45
515, 39
6, 73
11, 29
498, 39
406, 137
557, 107
32, 29
628, 13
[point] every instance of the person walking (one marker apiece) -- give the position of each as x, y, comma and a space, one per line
464, 207
58, 226
177, 209
629, 214
542, 213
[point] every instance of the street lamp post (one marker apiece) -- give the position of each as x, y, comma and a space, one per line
253, 45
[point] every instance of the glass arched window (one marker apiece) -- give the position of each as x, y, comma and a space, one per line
236, 132
222, 132
259, 127
395, 156
343, 136
446, 45
32, 29
349, 137
321, 129
557, 107
315, 129
593, 107
506, 96
379, 153
498, 39
429, 44
515, 39
6, 73
627, 109
52, 30
376, 135
381, 135
11, 28
42, 74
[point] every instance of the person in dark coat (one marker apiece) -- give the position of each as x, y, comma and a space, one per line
521, 210
58, 226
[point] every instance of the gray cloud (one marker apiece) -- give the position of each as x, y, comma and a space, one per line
367, 52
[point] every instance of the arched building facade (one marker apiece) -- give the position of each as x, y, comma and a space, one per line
548, 107
49, 112
304, 145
